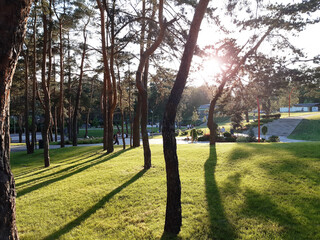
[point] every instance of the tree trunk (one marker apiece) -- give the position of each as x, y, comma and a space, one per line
247, 116
136, 124
211, 124
34, 84
46, 93
20, 128
26, 114
77, 101
70, 120
173, 209
13, 19
62, 144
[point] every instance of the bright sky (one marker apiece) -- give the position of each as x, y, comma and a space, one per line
308, 40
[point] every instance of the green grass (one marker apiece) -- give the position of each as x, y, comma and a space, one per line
98, 132
308, 129
236, 191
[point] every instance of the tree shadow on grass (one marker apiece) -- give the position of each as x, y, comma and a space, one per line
72, 166
67, 228
90, 163
220, 226
37, 158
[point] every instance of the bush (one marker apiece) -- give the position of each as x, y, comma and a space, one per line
184, 133
227, 134
231, 139
203, 138
251, 136
194, 134
274, 138
264, 130
199, 132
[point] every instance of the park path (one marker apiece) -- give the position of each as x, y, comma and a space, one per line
283, 127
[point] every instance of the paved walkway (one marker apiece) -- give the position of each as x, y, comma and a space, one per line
282, 127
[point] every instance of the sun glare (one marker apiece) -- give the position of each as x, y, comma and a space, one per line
211, 67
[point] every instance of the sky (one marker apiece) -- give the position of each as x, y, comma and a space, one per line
307, 40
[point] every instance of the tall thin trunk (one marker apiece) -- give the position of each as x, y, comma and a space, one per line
70, 121
61, 113
173, 209
20, 128
26, 114
55, 105
108, 90
46, 93
136, 124
34, 84
89, 109
121, 109
12, 33
142, 88
77, 100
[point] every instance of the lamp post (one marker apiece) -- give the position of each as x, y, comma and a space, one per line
290, 99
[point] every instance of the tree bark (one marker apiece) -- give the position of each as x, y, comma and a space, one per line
79, 91
136, 124
173, 210
62, 144
26, 114
13, 19
34, 83
46, 93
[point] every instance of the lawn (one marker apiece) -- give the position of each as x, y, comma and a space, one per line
233, 191
308, 129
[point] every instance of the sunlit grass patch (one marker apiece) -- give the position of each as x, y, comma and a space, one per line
233, 191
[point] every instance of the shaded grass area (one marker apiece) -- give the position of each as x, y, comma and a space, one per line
233, 191
308, 129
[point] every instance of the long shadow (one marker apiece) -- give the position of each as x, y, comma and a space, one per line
62, 170
67, 228
220, 226
41, 169
56, 179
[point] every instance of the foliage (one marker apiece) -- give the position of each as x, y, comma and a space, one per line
194, 134
264, 130
274, 138
251, 136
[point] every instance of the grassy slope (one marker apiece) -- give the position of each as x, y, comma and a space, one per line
239, 191
308, 129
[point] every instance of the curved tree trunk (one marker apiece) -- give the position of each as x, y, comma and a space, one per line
13, 19
173, 209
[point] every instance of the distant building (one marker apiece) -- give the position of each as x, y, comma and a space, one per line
203, 111
302, 107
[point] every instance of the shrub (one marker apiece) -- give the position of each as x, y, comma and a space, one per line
184, 133
251, 136
227, 134
264, 130
199, 132
274, 138
194, 134
205, 137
